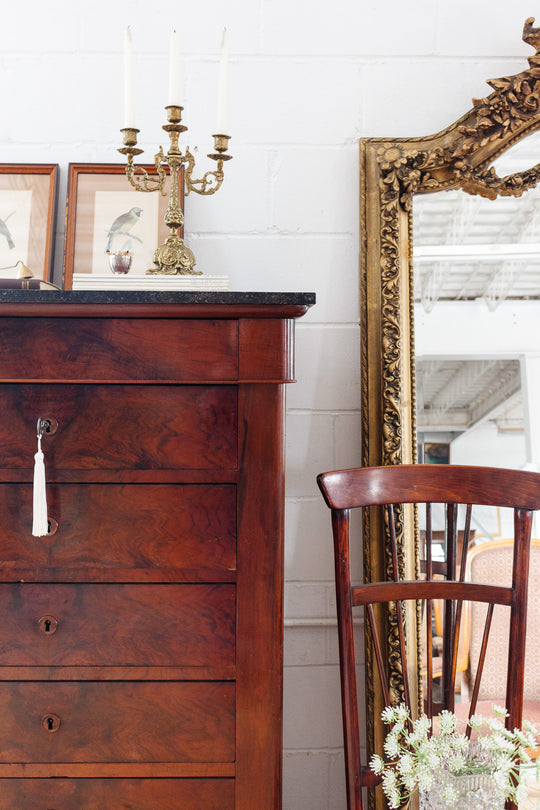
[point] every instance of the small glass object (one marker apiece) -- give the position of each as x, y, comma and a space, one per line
119, 261
478, 791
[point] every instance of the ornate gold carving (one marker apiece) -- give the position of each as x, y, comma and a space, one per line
392, 171
173, 256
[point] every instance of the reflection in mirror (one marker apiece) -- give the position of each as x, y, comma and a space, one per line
477, 340
477, 283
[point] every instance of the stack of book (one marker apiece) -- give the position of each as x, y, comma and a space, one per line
91, 281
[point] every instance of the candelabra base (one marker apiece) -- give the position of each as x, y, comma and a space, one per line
174, 258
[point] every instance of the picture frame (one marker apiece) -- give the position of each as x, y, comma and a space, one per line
436, 453
99, 193
28, 196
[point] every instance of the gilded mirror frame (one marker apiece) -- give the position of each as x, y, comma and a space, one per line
391, 172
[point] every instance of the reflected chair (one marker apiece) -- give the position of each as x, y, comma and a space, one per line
492, 562
384, 488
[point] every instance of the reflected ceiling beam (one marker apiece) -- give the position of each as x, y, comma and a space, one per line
484, 252
456, 421
508, 386
468, 376
457, 395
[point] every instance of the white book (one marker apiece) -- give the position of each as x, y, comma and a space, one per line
91, 281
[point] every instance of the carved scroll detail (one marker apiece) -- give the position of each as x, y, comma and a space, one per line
457, 158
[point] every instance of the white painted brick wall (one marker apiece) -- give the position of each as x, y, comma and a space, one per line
307, 80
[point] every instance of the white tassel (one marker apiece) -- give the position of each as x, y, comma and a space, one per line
40, 525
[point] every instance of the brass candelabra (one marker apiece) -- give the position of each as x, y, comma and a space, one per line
174, 257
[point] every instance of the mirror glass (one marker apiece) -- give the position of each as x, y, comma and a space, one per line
477, 330
477, 338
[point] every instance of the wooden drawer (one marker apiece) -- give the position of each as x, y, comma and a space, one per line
120, 427
117, 625
117, 722
118, 349
117, 794
191, 529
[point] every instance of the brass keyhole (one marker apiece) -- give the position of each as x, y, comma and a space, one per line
50, 722
47, 425
48, 625
52, 526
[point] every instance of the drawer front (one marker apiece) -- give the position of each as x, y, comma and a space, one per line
120, 427
117, 722
117, 794
117, 625
118, 349
132, 526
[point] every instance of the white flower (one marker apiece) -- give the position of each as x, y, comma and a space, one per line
500, 780
421, 728
425, 779
391, 746
410, 782
389, 780
402, 712
388, 715
377, 764
448, 722
524, 737
450, 795
432, 759
415, 759
494, 724
406, 764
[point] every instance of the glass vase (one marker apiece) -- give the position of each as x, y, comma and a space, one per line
477, 791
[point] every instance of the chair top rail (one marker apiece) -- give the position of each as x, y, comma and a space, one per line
430, 483
375, 592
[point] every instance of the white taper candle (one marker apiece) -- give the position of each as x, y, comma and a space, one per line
174, 71
129, 93
222, 125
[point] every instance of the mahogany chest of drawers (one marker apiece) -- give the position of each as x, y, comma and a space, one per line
141, 639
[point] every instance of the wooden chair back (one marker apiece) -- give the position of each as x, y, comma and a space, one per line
385, 487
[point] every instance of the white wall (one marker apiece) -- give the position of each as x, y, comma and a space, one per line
307, 80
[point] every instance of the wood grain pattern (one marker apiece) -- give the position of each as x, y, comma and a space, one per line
118, 722
266, 350
117, 794
116, 427
402, 483
260, 604
117, 770
118, 625
185, 306
118, 350
165, 573
124, 527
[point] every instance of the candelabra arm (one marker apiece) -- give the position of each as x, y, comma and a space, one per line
142, 181
210, 182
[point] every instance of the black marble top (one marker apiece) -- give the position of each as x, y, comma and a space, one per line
213, 297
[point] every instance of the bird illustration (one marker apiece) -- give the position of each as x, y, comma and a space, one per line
4, 231
122, 226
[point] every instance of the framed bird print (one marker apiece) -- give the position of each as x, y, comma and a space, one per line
27, 214
105, 215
